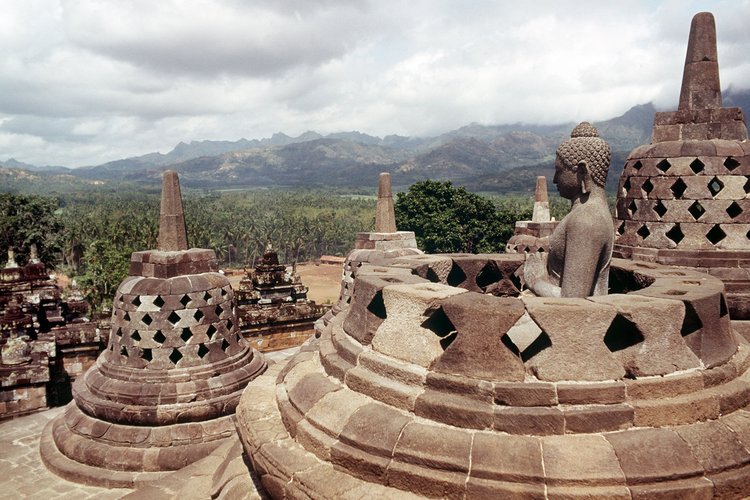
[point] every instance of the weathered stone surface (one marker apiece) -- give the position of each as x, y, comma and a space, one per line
385, 216
645, 336
507, 458
714, 445
525, 394
598, 418
434, 446
583, 460
668, 456
536, 421
478, 351
576, 330
403, 335
172, 229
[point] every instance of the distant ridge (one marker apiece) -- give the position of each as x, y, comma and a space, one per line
482, 157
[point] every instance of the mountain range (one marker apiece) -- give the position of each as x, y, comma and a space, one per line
502, 158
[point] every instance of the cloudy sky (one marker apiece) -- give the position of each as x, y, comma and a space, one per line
83, 82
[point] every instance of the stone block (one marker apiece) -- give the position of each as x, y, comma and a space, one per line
598, 418
360, 463
507, 458
374, 428
478, 351
485, 488
434, 447
426, 481
454, 410
580, 460
576, 348
714, 445
403, 335
306, 392
525, 394
653, 455
698, 488
535, 421
590, 392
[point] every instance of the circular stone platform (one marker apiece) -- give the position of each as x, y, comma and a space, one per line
439, 380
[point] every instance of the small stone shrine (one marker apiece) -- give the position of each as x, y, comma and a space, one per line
529, 235
683, 199
163, 393
46, 338
438, 378
272, 306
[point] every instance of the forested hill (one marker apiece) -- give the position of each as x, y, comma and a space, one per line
502, 158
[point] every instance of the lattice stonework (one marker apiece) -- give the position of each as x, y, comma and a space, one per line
174, 330
685, 202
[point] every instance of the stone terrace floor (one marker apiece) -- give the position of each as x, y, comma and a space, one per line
22, 473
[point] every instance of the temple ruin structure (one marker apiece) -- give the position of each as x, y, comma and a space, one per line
683, 199
529, 235
163, 393
47, 339
272, 306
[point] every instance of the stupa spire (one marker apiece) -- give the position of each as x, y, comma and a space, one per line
385, 215
172, 229
541, 201
700, 79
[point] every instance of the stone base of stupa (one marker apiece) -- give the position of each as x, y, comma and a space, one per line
455, 395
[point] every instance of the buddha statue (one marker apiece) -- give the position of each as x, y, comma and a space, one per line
580, 248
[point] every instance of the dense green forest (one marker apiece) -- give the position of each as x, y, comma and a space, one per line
91, 235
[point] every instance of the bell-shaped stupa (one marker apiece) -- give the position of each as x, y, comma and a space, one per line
163, 393
683, 199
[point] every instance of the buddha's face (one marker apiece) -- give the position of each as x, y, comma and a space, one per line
566, 180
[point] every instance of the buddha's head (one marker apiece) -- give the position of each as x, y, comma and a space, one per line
583, 157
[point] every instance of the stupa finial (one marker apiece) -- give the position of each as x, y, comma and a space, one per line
700, 80
385, 215
172, 229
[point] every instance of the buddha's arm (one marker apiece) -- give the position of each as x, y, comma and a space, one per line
582, 248
537, 278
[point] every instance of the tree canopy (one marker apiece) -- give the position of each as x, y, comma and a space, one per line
27, 220
449, 219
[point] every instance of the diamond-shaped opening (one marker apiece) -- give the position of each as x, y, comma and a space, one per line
730, 163
198, 315
175, 356
723, 309
206, 296
716, 234
663, 165
147, 319
488, 275
691, 323
159, 337
202, 351
621, 228
660, 209
218, 311
678, 188
675, 234
696, 210
118, 332
626, 184
715, 186
637, 165
158, 301
456, 276
135, 336
136, 301
647, 186
632, 207
734, 210
621, 334
697, 166
173, 318
185, 300
186, 334
432, 275
124, 352
126, 316
441, 326
229, 325
377, 306
539, 344
224, 345
643, 232
146, 354
746, 187
210, 332
223, 292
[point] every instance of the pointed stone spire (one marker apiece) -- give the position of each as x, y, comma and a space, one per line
541, 202
700, 80
172, 229
385, 215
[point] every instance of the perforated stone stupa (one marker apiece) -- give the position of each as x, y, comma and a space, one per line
683, 199
163, 393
